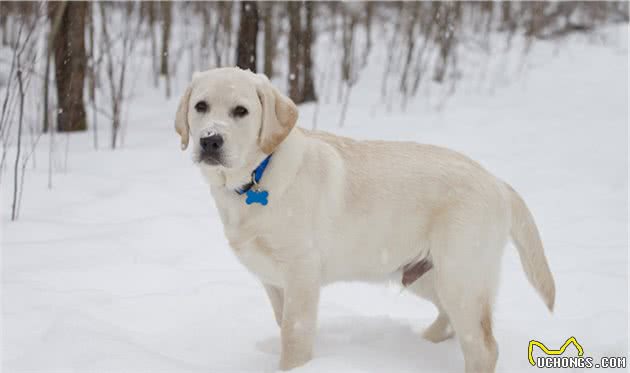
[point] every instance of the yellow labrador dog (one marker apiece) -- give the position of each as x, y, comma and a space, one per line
302, 209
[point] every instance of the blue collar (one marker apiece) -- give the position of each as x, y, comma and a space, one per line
257, 174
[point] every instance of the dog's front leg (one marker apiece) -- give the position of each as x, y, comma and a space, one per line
299, 316
276, 296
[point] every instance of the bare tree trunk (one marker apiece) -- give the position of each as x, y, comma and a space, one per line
270, 38
14, 210
410, 46
56, 15
228, 29
247, 36
117, 82
6, 110
70, 66
92, 73
167, 10
166, 36
344, 107
151, 13
293, 9
206, 21
224, 21
191, 50
349, 74
226, 24
507, 20
347, 63
369, 16
4, 10
446, 39
308, 86
46, 125
51, 151
391, 49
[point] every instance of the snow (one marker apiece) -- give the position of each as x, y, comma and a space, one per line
123, 265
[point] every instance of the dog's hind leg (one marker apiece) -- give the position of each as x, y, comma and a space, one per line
440, 329
466, 253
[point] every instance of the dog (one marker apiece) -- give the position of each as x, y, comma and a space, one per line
302, 209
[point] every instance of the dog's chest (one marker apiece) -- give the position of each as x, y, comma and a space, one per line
258, 256
253, 243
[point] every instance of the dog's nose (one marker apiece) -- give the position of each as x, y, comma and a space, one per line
211, 143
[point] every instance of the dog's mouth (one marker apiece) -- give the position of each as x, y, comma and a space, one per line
209, 159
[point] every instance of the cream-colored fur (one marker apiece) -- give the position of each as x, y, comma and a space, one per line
341, 210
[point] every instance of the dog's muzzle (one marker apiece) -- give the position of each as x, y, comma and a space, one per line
211, 149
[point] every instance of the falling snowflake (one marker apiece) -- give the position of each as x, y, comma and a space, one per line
292, 76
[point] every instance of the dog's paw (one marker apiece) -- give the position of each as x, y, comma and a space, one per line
288, 363
438, 331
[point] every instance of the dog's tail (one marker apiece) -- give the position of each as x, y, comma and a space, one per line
527, 240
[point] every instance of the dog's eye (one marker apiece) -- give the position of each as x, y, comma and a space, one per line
239, 111
201, 106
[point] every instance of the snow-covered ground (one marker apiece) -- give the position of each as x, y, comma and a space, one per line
123, 265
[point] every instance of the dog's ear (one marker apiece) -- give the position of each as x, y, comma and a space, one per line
181, 118
279, 115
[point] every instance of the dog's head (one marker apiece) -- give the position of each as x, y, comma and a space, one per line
232, 115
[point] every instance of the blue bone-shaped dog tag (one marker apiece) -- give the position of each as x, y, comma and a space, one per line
257, 196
